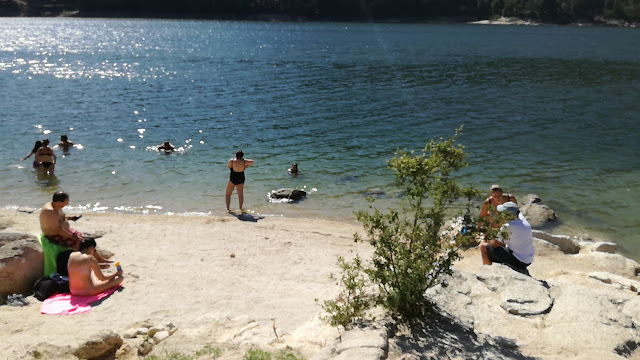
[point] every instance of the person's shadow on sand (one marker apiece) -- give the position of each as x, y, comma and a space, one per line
247, 217
93, 304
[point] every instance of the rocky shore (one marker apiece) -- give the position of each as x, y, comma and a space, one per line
193, 284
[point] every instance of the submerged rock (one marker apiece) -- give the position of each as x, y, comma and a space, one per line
291, 194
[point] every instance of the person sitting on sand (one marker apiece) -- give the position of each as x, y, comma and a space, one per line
46, 157
166, 147
496, 197
516, 251
55, 227
85, 276
64, 143
36, 146
236, 177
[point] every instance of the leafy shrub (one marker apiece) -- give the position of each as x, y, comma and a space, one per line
353, 301
409, 255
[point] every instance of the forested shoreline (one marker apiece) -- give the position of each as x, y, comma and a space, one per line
611, 12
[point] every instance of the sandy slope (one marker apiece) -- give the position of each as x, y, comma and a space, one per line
210, 276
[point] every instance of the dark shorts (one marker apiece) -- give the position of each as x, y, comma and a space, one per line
47, 164
67, 242
504, 256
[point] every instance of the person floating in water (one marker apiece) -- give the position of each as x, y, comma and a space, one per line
36, 146
236, 177
167, 147
293, 170
46, 158
64, 143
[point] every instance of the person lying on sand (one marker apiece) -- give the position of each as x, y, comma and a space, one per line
85, 276
55, 227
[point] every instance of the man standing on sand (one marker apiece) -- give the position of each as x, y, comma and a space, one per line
85, 276
517, 250
55, 227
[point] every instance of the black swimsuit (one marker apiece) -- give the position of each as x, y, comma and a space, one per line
236, 178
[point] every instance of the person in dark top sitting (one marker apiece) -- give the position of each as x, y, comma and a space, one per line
236, 177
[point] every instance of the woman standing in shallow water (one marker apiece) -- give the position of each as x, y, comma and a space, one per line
236, 177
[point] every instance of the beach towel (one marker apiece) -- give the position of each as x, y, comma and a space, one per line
67, 304
50, 252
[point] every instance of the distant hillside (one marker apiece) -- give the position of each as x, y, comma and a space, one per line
551, 11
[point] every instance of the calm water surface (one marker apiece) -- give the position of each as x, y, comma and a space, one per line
547, 110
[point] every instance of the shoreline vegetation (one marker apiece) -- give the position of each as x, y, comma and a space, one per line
620, 13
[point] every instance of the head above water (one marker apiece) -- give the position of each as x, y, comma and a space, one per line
495, 187
63, 138
239, 154
60, 196
45, 142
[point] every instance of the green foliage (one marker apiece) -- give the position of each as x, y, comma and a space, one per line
214, 351
353, 301
257, 354
409, 255
209, 350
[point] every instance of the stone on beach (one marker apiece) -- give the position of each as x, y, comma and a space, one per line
21, 263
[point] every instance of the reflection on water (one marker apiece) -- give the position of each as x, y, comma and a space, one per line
547, 110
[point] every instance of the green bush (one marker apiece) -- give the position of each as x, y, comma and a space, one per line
353, 301
409, 255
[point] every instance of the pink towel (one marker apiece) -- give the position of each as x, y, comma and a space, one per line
67, 304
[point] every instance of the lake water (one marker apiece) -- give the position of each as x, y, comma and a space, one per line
547, 110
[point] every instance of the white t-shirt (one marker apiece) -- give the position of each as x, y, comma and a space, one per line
520, 239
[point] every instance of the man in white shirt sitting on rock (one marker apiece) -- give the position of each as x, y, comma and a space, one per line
517, 251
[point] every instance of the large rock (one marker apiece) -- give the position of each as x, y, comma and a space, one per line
291, 194
21, 263
537, 214
565, 243
103, 346
573, 314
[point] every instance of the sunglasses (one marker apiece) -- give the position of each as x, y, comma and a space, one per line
496, 189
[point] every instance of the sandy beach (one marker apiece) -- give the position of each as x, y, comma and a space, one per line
209, 276
241, 283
